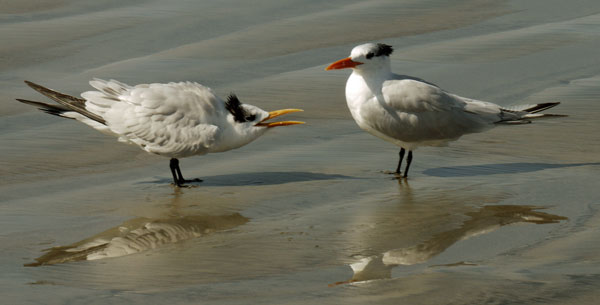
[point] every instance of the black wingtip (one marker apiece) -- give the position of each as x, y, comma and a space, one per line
47, 108
36, 87
541, 107
32, 84
32, 103
68, 102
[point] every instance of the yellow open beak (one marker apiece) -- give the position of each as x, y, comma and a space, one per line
343, 64
276, 113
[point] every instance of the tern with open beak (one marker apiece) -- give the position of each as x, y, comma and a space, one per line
411, 112
174, 120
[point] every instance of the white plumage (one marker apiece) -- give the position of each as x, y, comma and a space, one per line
174, 120
411, 112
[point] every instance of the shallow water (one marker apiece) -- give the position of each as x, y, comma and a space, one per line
305, 214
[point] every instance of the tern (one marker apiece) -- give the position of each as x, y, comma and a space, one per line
411, 112
174, 120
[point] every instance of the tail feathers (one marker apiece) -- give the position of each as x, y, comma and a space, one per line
57, 110
526, 113
69, 102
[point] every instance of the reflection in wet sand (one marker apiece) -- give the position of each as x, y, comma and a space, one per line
138, 235
485, 220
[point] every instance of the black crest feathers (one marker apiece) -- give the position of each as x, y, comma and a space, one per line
384, 49
234, 107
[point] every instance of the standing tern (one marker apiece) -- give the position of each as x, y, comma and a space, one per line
411, 112
174, 120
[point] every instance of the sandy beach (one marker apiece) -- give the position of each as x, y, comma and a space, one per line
305, 214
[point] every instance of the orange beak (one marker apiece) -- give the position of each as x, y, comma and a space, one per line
276, 113
343, 64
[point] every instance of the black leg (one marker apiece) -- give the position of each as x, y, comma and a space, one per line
181, 180
177, 176
408, 161
400, 161
174, 165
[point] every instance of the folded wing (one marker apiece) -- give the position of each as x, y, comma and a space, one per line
174, 119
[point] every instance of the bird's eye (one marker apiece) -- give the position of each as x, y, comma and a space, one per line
370, 55
251, 118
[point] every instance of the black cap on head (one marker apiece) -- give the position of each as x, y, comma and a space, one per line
234, 107
384, 49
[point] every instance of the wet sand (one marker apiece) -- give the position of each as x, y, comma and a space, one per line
305, 214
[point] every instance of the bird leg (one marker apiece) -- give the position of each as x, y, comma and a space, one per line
408, 160
174, 165
400, 162
177, 176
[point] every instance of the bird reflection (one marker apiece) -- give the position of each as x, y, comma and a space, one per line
141, 234
484, 220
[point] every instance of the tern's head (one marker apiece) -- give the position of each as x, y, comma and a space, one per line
249, 122
366, 57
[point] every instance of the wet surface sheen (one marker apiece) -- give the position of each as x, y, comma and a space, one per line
305, 214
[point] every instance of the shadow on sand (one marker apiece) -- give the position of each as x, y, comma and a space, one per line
258, 178
493, 169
